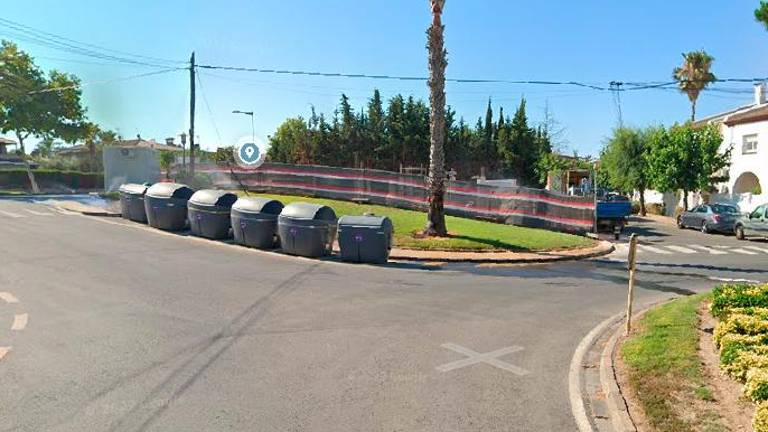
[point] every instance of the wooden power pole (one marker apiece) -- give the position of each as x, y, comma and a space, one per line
192, 115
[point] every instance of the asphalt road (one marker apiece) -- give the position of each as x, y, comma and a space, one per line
125, 328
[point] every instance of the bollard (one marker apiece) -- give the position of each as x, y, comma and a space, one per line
631, 292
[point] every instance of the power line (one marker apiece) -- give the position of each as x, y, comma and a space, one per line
125, 78
208, 107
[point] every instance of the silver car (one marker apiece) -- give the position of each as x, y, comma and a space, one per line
754, 224
710, 218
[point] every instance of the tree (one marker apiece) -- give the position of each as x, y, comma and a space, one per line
761, 14
436, 180
686, 158
694, 76
166, 161
376, 127
625, 161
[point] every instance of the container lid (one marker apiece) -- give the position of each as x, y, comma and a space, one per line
213, 197
366, 220
169, 190
258, 205
302, 210
133, 188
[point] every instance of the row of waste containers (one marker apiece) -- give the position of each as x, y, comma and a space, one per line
298, 228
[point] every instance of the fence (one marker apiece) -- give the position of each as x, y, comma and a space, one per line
50, 180
513, 205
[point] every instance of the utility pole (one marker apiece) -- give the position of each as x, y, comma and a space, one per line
192, 115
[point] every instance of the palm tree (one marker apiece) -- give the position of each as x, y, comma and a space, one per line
694, 76
436, 182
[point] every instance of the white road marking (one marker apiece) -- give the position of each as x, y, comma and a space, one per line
8, 297
4, 351
710, 250
646, 248
35, 212
743, 251
490, 358
756, 248
20, 321
681, 249
11, 215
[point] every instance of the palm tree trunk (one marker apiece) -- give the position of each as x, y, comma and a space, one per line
436, 182
693, 111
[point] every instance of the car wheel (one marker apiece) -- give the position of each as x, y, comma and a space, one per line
680, 222
739, 232
704, 227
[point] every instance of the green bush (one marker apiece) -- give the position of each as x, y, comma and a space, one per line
732, 344
739, 324
760, 421
756, 386
17, 179
753, 357
729, 296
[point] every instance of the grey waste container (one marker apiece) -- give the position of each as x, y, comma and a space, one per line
132, 202
307, 229
208, 213
254, 221
365, 238
166, 205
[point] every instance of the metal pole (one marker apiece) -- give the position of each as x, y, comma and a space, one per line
192, 115
631, 290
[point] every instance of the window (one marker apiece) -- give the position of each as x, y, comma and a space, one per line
702, 209
749, 144
758, 213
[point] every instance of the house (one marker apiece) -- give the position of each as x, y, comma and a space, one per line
4, 144
745, 132
82, 151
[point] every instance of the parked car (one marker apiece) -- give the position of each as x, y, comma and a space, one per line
710, 217
754, 224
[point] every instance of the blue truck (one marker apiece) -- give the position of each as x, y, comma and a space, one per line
613, 210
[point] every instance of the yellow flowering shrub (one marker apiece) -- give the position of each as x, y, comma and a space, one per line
740, 324
756, 386
760, 421
753, 357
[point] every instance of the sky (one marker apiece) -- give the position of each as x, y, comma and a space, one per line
587, 41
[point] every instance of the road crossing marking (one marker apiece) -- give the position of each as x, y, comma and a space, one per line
681, 249
710, 250
756, 248
35, 212
11, 215
743, 251
20, 321
8, 297
490, 358
647, 248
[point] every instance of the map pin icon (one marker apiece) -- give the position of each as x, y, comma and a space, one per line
249, 151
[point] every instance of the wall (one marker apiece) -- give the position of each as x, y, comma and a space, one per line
129, 165
741, 163
55, 181
513, 205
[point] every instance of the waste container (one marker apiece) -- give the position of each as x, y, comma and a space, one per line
254, 221
166, 205
307, 229
208, 213
132, 202
365, 238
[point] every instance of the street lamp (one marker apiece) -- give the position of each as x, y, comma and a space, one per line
253, 130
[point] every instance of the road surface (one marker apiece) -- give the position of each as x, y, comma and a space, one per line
106, 325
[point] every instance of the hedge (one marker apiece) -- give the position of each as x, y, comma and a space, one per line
728, 296
760, 421
51, 179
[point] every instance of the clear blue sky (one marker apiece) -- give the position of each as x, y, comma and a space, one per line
589, 41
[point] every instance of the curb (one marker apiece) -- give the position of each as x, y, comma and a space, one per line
603, 248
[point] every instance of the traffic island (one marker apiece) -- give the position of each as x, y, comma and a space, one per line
502, 257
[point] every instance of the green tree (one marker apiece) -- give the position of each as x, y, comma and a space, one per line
436, 180
290, 143
686, 158
166, 161
376, 133
694, 76
625, 161
761, 14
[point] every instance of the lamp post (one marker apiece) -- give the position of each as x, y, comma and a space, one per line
253, 130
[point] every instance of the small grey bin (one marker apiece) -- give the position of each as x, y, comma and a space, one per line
254, 221
365, 239
166, 205
307, 229
208, 212
132, 202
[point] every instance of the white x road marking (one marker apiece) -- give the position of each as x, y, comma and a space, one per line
490, 358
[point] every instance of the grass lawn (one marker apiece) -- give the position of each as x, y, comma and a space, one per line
664, 368
465, 234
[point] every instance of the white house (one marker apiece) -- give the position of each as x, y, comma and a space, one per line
745, 131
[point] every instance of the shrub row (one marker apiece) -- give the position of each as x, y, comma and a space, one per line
56, 179
742, 336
